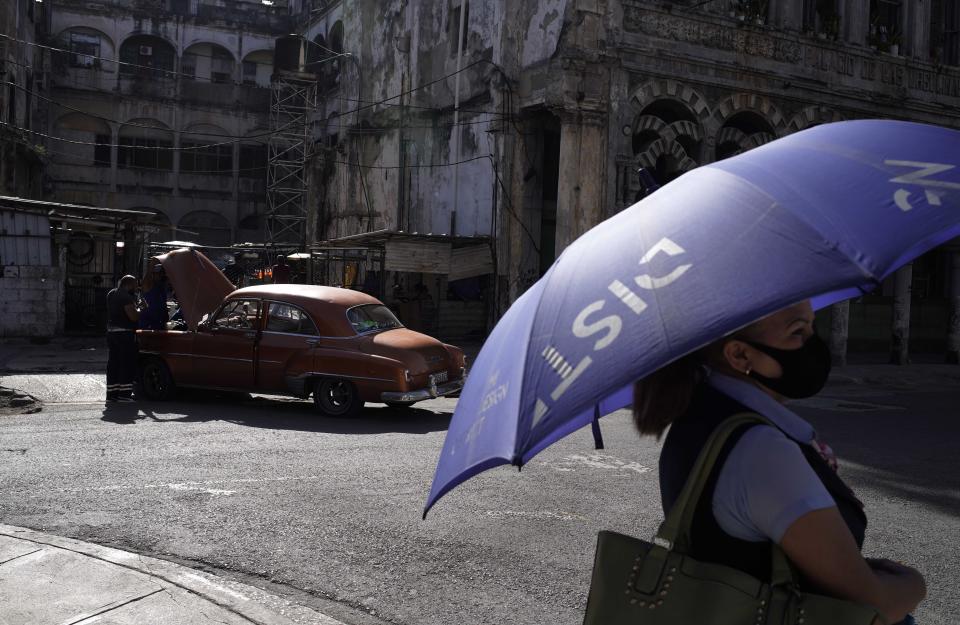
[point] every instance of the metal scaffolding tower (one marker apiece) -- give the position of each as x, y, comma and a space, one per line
293, 99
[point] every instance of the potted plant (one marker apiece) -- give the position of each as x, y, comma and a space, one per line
895, 42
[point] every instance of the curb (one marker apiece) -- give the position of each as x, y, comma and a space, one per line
240, 599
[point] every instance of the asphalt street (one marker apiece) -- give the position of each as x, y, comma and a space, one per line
327, 512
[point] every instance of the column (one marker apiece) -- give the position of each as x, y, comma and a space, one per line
582, 177
953, 325
855, 20
114, 140
916, 30
839, 331
900, 330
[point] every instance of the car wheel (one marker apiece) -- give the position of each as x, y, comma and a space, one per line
336, 397
400, 404
156, 381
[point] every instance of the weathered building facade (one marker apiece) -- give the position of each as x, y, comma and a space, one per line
22, 23
562, 101
163, 106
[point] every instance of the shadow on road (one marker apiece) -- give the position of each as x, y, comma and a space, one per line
910, 454
279, 414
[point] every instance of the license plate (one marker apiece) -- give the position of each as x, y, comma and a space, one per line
439, 378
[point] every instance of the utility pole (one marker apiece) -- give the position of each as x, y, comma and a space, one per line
456, 122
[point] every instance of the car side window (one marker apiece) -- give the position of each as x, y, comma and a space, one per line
289, 319
238, 314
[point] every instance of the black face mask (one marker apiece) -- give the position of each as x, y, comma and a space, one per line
805, 370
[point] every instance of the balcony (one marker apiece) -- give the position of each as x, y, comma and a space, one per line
134, 179
247, 97
148, 85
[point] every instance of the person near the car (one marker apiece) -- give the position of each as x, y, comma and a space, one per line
122, 317
155, 295
281, 271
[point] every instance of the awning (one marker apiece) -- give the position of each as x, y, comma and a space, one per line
73, 210
455, 257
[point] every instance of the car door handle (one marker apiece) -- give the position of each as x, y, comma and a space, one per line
313, 342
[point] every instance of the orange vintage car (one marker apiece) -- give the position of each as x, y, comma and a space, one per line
339, 346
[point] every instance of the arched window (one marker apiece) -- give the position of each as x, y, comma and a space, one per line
257, 68
741, 132
206, 149
208, 61
211, 228
85, 130
88, 48
143, 144
146, 52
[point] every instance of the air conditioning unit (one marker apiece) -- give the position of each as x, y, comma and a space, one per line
82, 60
146, 50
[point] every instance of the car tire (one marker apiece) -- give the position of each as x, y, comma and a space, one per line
399, 404
336, 397
156, 381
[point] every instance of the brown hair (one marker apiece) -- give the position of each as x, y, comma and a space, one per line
664, 395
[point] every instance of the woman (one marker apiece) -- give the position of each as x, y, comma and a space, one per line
770, 484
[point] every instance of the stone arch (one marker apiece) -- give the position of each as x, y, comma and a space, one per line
661, 89
212, 228
84, 129
146, 52
161, 229
651, 157
83, 50
740, 102
206, 60
814, 116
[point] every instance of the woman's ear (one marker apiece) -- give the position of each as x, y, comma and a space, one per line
735, 355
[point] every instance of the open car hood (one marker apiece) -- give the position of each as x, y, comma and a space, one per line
198, 285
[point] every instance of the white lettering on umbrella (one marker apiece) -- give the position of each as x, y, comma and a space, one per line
612, 325
922, 176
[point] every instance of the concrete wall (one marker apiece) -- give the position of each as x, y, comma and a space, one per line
32, 302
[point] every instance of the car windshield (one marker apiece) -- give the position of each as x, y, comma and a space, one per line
372, 317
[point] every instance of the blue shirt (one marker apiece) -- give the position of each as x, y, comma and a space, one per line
766, 482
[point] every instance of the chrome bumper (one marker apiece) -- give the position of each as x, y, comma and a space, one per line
424, 393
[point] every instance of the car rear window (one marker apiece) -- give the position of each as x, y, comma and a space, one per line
372, 317
290, 319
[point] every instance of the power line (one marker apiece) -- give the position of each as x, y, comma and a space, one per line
133, 124
172, 148
316, 155
127, 63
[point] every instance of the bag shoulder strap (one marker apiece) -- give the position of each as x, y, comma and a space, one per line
675, 530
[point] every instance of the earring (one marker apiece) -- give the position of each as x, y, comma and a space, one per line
747, 372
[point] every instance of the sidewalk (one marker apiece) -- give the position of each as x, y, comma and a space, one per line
57, 355
48, 579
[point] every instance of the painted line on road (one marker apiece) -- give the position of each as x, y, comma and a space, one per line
538, 514
605, 462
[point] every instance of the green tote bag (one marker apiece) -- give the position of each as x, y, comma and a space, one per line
640, 583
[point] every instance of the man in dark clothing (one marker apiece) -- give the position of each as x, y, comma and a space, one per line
122, 317
281, 271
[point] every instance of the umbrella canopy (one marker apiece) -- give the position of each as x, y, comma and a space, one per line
826, 213
199, 285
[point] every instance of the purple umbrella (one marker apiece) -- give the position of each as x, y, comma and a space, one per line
826, 213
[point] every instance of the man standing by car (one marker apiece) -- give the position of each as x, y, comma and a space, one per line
122, 317
281, 271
